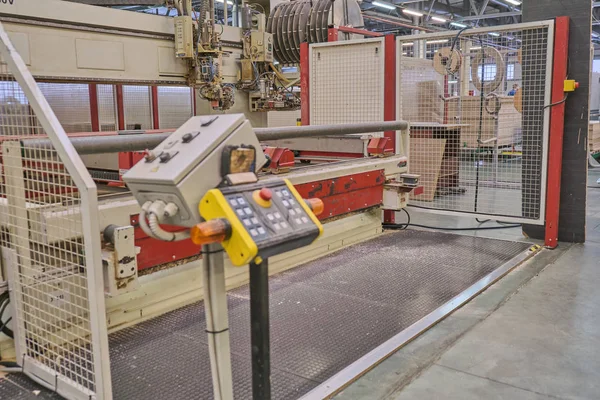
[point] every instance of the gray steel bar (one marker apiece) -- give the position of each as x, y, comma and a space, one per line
141, 141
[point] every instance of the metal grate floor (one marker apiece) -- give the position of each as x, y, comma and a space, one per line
324, 316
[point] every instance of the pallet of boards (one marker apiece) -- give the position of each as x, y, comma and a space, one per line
506, 125
594, 136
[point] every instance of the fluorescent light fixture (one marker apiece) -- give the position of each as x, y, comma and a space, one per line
407, 44
476, 48
495, 34
404, 54
514, 2
439, 19
437, 41
450, 82
223, 1
458, 24
594, 34
412, 12
384, 5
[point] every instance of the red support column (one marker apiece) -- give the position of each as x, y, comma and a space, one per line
120, 108
94, 113
194, 111
332, 35
557, 125
304, 84
389, 104
155, 114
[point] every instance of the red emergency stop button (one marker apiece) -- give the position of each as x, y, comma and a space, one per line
265, 194
263, 197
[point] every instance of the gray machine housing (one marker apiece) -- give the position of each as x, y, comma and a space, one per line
187, 164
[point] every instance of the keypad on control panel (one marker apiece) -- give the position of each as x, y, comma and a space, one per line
247, 216
282, 217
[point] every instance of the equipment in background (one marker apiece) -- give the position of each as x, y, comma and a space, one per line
295, 22
202, 176
447, 61
199, 42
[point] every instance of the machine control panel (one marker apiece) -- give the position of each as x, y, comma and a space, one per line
189, 162
266, 219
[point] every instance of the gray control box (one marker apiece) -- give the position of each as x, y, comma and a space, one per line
187, 164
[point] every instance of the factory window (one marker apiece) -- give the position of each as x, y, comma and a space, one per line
174, 106
486, 72
510, 72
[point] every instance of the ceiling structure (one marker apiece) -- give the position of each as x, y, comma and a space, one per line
396, 16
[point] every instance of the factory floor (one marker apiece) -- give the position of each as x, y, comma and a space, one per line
533, 335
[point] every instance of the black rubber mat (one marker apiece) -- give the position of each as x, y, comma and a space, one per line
324, 316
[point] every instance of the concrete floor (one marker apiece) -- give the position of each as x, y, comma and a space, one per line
533, 335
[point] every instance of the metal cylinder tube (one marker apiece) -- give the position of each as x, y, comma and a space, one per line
140, 142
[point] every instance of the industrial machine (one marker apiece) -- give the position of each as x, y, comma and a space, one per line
212, 185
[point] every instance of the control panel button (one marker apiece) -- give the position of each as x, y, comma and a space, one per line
188, 137
240, 212
164, 157
286, 203
305, 220
284, 225
247, 222
261, 230
253, 232
233, 202
265, 194
248, 211
277, 215
241, 201
254, 220
298, 221
292, 212
276, 226
271, 217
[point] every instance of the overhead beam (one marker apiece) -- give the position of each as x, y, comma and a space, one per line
488, 16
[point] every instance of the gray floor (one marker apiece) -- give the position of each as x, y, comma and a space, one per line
542, 342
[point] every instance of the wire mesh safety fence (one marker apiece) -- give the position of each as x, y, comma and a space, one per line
107, 108
477, 103
137, 107
47, 247
347, 82
175, 106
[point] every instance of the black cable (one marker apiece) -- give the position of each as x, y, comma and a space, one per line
4, 302
482, 221
557, 103
478, 228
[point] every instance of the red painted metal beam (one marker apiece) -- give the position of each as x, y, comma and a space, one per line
346, 194
94, 112
155, 113
389, 104
120, 108
304, 84
348, 29
557, 126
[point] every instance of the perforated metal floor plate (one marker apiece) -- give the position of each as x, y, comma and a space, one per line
324, 316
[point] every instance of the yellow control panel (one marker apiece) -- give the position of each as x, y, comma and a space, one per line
265, 219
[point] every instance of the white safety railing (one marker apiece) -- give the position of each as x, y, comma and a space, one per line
50, 243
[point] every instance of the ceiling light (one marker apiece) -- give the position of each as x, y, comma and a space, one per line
412, 12
451, 82
407, 44
458, 24
223, 1
494, 34
383, 5
514, 2
437, 41
439, 19
476, 48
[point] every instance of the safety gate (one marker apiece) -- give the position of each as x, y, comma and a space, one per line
478, 101
50, 243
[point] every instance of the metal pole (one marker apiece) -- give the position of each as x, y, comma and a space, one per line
259, 331
141, 141
217, 320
